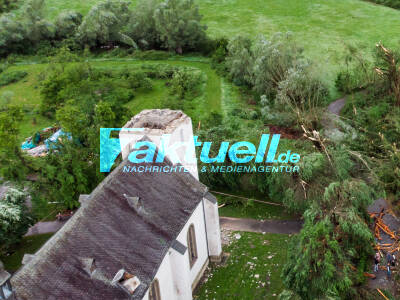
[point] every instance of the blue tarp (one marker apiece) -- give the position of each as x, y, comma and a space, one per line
49, 143
28, 145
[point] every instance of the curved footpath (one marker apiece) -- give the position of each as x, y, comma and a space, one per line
267, 226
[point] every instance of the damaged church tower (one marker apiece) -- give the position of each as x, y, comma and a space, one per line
173, 125
159, 122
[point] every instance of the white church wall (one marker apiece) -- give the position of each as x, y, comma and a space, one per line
197, 219
180, 269
213, 230
164, 277
175, 276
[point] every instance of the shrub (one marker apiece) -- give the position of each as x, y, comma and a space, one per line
3, 67
160, 71
219, 55
139, 79
273, 58
185, 83
301, 89
240, 60
12, 77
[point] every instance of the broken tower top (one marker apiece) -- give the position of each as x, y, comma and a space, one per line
165, 120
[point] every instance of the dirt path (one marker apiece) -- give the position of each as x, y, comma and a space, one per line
331, 119
269, 226
336, 106
45, 227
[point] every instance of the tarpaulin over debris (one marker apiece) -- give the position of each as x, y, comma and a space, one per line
36, 146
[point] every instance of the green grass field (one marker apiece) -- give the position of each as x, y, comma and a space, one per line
322, 27
252, 270
28, 245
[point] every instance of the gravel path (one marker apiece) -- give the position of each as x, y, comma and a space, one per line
45, 227
268, 226
336, 106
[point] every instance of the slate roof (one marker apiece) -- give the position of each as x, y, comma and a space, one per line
116, 234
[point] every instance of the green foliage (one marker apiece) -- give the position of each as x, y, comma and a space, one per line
358, 73
312, 165
67, 173
104, 24
301, 89
139, 79
12, 34
83, 100
275, 69
240, 60
178, 24
67, 24
375, 113
13, 164
14, 218
390, 3
142, 25
7, 5
274, 57
219, 55
334, 236
152, 55
12, 77
185, 83
37, 27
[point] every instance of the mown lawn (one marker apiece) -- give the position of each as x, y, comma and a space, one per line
252, 270
323, 27
28, 245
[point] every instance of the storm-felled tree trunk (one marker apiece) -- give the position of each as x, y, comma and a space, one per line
389, 70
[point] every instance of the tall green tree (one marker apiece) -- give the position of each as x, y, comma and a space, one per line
14, 218
179, 25
12, 34
67, 24
33, 18
142, 25
13, 163
105, 24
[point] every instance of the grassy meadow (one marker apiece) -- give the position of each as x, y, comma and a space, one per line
251, 272
323, 27
27, 92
